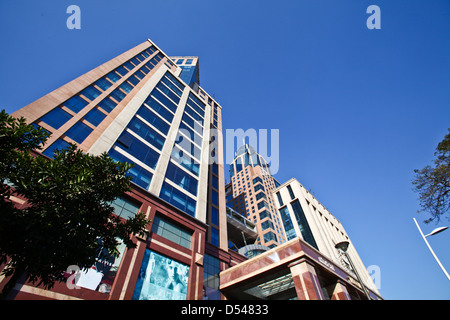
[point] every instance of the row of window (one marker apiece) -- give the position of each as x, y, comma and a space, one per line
144, 134
182, 61
57, 117
145, 137
80, 130
185, 152
301, 221
139, 175
214, 181
145, 129
178, 199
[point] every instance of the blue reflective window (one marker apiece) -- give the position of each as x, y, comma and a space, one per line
76, 104
264, 214
133, 79
125, 208
214, 236
147, 133
118, 95
192, 123
181, 178
139, 74
95, 116
215, 216
257, 179
91, 93
215, 182
139, 57
267, 225
173, 84
113, 76
153, 119
107, 104
150, 65
215, 197
138, 149
128, 65
160, 110
260, 195
171, 231
144, 69
187, 145
103, 84
280, 200
291, 192
189, 61
121, 70
78, 132
263, 204
231, 170
57, 145
259, 187
56, 118
193, 114
164, 100
180, 61
154, 61
211, 279
239, 166
303, 224
196, 108
175, 81
197, 101
191, 134
269, 236
288, 225
126, 87
161, 86
135, 61
185, 160
138, 175
178, 199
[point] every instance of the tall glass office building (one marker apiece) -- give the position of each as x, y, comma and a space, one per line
250, 194
149, 109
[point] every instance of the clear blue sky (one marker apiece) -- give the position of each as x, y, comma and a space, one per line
358, 110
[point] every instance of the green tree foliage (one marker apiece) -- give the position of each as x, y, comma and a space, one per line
433, 183
68, 210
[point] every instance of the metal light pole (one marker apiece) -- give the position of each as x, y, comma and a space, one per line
344, 246
435, 231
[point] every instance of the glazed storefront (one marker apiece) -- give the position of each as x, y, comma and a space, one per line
293, 270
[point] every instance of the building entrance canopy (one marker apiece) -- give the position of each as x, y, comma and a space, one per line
293, 270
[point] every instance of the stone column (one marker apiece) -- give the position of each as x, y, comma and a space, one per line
340, 292
305, 280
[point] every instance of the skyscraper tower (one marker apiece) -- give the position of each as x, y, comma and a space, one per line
148, 109
250, 193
